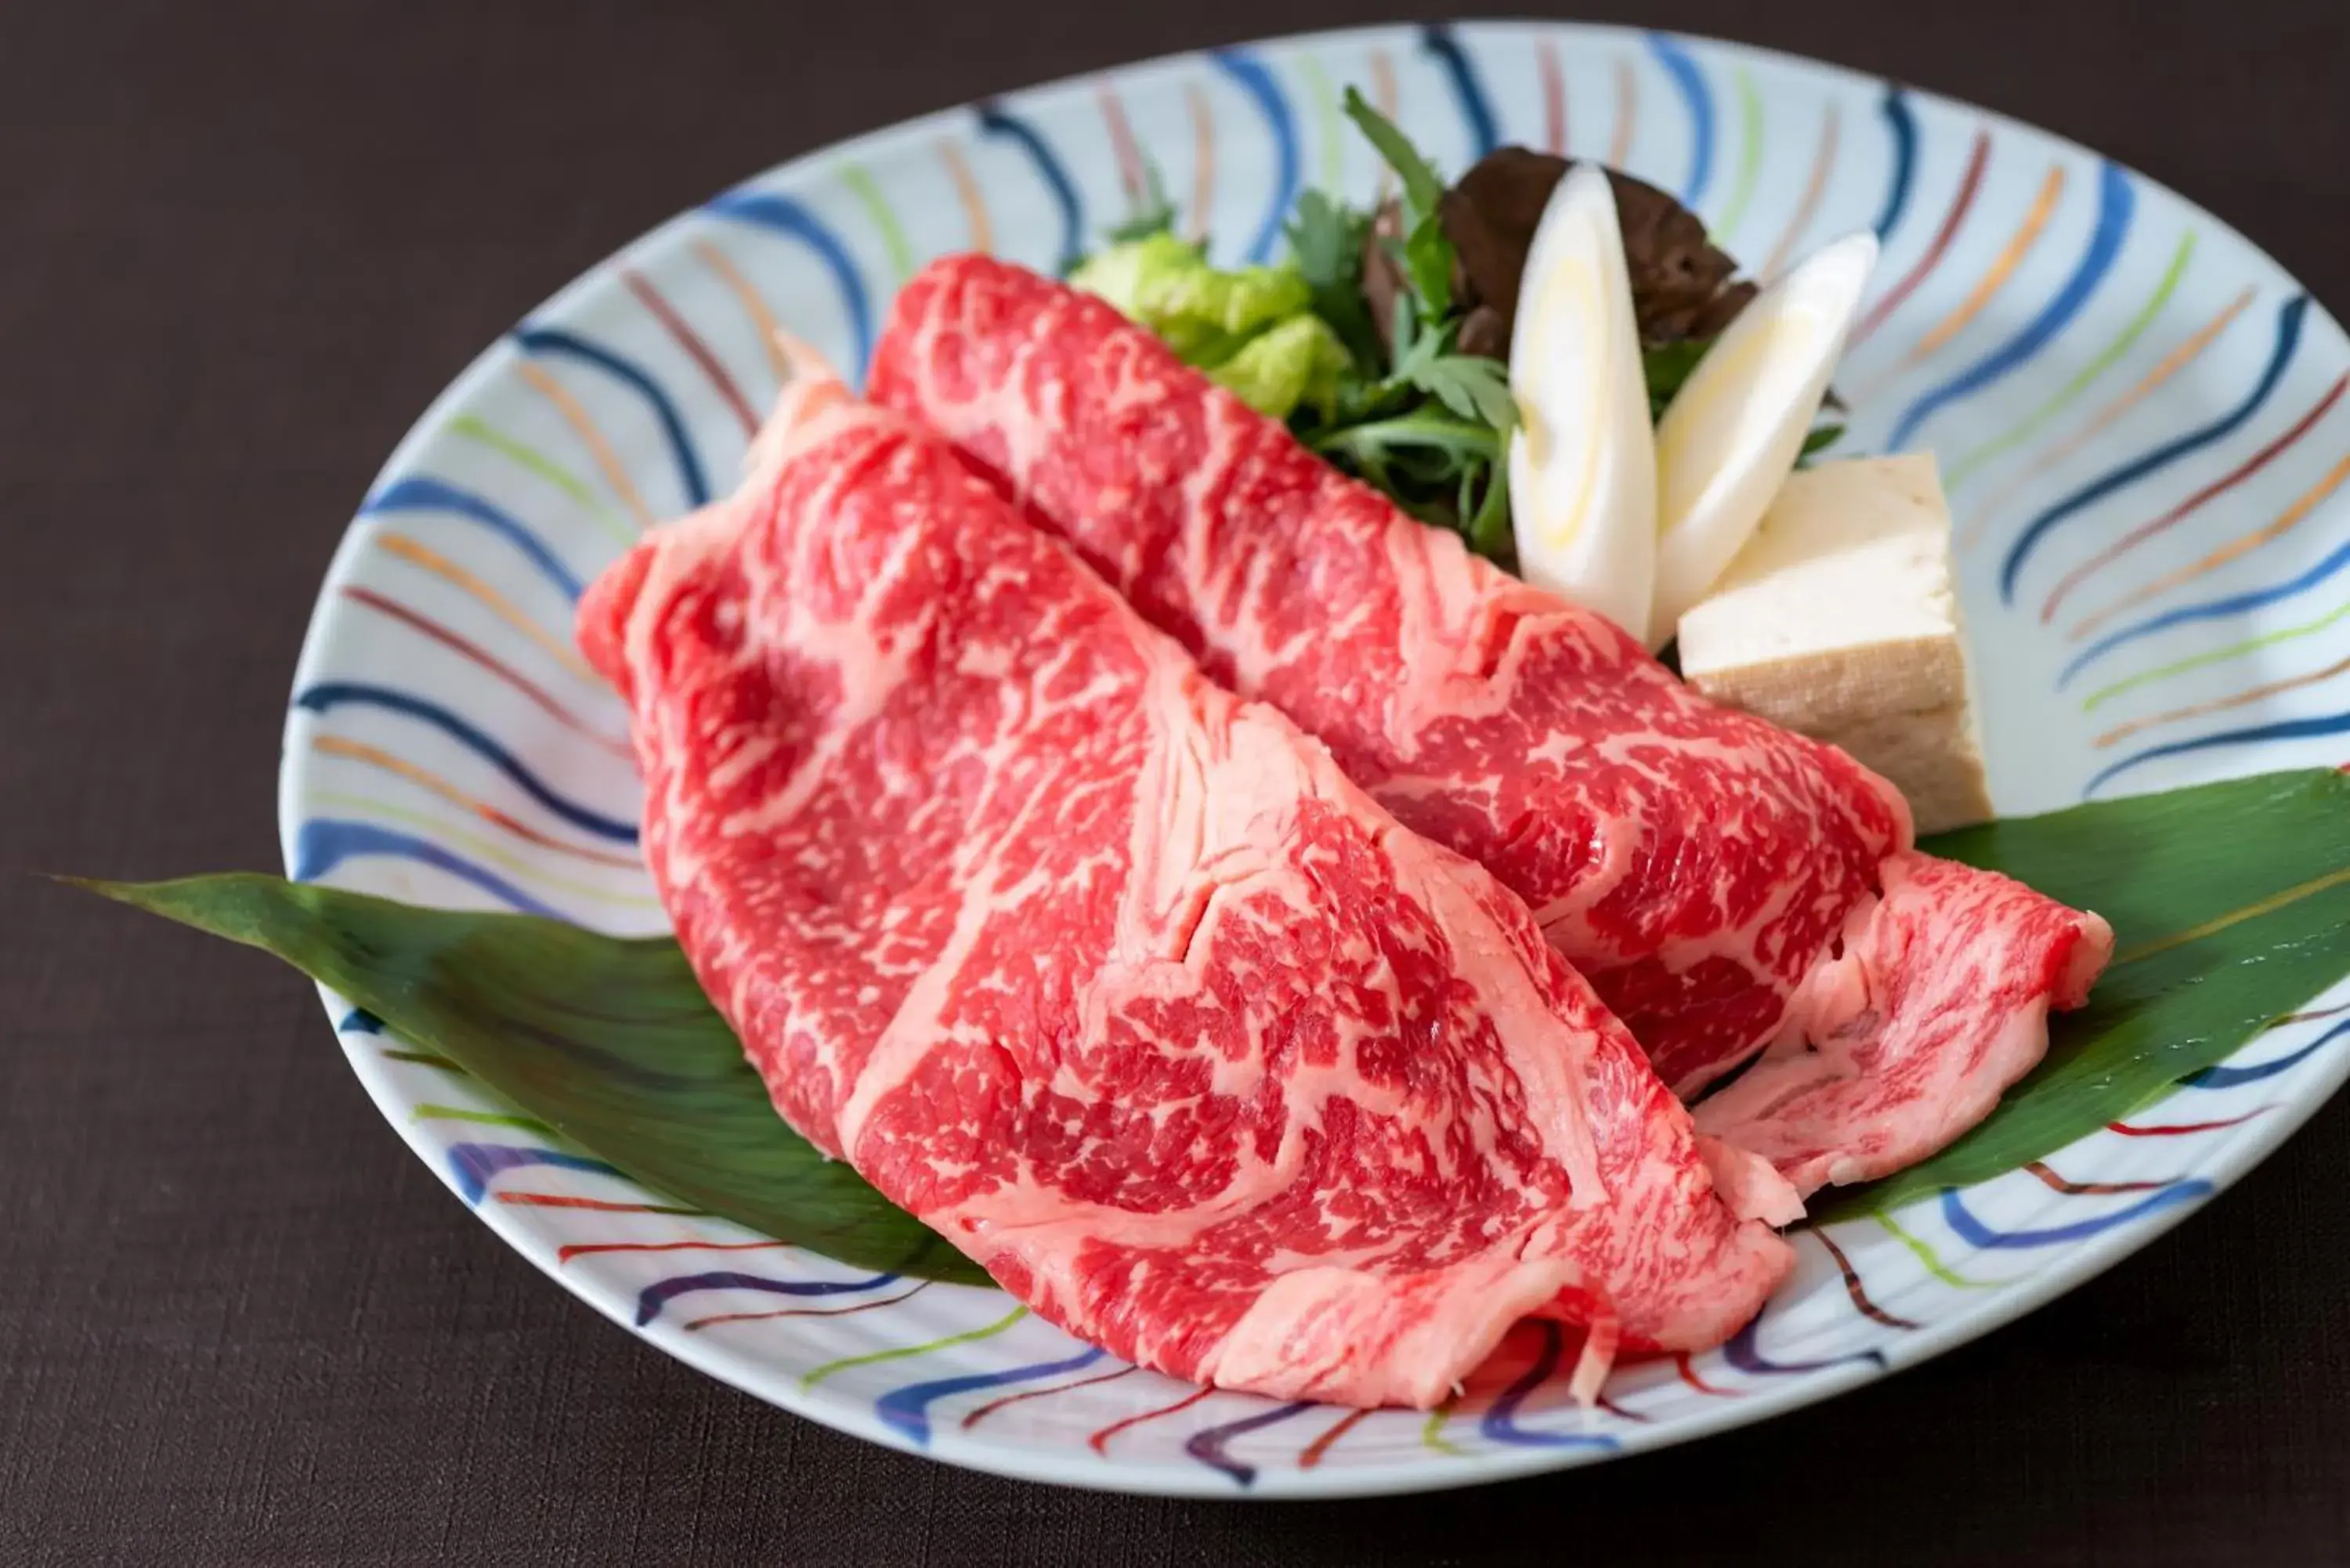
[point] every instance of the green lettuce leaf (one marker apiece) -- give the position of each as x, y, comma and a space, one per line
1205, 314
1299, 361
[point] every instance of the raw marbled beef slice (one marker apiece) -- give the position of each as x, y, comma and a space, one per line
1113, 977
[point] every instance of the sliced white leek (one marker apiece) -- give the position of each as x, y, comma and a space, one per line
1583, 465
1733, 432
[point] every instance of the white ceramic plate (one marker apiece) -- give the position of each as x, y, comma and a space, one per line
2134, 412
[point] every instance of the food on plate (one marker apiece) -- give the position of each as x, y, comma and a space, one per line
1116, 978
1380, 338
1297, 363
1617, 459
1703, 868
1583, 458
1422, 406
1840, 620
1174, 798
1732, 434
1685, 288
1903, 1034
1252, 330
1112, 977
1203, 311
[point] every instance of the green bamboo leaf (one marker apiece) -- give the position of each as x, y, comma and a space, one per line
609, 1040
2230, 907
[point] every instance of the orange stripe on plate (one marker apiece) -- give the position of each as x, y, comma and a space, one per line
1385, 98
1808, 208
1853, 1288
348, 750
1099, 1441
2048, 1178
754, 306
599, 1205
716, 1318
699, 352
416, 554
993, 1405
419, 621
2019, 245
1122, 142
1682, 1364
1321, 1445
2177, 359
2221, 486
1628, 112
1203, 158
967, 192
1554, 91
607, 461
2307, 501
1969, 185
585, 1249
2220, 705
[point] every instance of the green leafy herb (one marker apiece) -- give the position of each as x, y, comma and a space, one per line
1431, 433
1471, 385
1487, 518
1411, 414
610, 1042
1426, 258
1325, 245
1434, 443
2231, 906
1325, 242
1422, 430
1820, 437
1422, 188
1667, 367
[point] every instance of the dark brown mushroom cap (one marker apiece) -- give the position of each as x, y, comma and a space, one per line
1682, 285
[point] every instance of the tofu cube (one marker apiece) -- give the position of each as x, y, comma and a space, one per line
1840, 620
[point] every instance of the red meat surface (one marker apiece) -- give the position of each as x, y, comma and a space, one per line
1699, 866
1115, 979
1935, 1000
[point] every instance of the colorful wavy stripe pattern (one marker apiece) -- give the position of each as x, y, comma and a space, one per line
2085, 345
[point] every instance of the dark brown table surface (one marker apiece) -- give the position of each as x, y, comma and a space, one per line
241, 247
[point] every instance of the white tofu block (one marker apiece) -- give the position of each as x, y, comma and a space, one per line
1840, 620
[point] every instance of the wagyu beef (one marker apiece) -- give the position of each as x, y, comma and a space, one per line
1113, 977
1935, 1000
1699, 866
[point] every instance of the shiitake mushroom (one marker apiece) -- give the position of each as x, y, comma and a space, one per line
1683, 286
